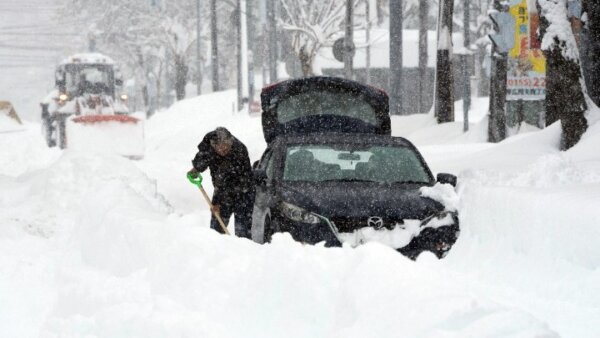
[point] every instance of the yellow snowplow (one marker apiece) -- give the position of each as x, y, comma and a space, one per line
88, 111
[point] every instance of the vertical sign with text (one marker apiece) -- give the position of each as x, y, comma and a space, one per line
526, 63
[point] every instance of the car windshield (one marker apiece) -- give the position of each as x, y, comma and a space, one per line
347, 163
89, 79
315, 103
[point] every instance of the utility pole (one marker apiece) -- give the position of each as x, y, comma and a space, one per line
444, 79
214, 45
465, 65
273, 53
501, 44
423, 54
251, 36
396, 54
244, 48
198, 58
368, 51
242, 56
349, 40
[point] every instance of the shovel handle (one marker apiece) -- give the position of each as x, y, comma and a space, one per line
197, 181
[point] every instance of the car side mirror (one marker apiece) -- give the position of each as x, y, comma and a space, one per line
446, 179
260, 176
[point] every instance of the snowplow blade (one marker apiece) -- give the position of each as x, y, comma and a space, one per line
118, 134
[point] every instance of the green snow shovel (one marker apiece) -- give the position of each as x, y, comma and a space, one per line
198, 182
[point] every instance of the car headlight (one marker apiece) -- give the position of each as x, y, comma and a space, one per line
124, 97
63, 97
298, 214
436, 218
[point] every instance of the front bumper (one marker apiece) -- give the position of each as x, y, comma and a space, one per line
311, 233
428, 235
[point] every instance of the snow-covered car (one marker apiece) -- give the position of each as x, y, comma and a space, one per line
340, 188
332, 172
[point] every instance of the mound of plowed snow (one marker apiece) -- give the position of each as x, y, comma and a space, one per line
109, 259
9, 125
23, 148
94, 245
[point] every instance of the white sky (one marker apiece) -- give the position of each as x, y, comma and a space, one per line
32, 41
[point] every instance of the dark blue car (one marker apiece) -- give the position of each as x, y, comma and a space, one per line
332, 173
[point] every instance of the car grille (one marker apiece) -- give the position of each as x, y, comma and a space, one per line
345, 224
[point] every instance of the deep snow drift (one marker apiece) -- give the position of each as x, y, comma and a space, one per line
94, 245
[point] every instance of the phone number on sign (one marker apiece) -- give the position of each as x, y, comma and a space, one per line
535, 82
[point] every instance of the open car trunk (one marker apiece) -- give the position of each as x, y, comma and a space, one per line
324, 104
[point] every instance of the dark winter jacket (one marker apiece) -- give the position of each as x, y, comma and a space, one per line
231, 174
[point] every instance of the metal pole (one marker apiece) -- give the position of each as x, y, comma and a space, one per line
242, 55
214, 58
238, 25
198, 59
444, 79
396, 53
368, 61
349, 40
423, 53
497, 120
272, 24
251, 36
244, 49
465, 68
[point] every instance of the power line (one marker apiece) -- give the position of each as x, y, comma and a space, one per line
45, 25
23, 47
22, 66
37, 34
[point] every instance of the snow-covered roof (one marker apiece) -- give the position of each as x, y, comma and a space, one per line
95, 58
380, 49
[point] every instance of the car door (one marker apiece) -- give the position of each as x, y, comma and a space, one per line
264, 196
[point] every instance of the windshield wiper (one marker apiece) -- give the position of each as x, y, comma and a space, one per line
348, 180
409, 182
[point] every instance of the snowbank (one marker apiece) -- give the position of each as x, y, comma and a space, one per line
423, 129
9, 125
110, 260
529, 225
96, 245
380, 49
23, 148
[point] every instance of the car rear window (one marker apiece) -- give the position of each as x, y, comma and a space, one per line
382, 164
325, 103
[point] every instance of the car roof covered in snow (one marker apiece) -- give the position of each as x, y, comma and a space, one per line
89, 58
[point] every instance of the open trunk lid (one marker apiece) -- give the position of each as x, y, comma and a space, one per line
324, 104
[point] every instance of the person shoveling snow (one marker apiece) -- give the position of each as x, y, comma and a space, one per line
231, 174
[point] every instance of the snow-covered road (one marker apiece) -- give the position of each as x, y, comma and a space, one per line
94, 245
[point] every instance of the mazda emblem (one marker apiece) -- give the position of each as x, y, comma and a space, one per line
375, 222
